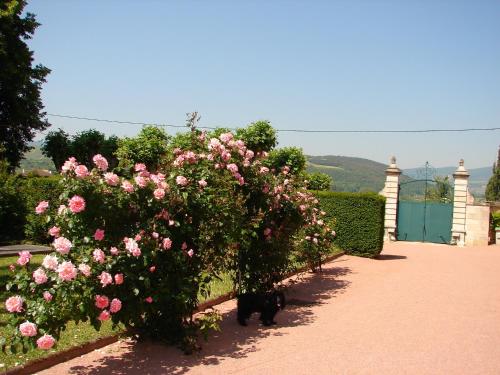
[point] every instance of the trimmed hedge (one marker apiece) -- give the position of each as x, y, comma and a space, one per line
18, 199
359, 221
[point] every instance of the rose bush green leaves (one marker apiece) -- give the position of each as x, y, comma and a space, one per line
138, 248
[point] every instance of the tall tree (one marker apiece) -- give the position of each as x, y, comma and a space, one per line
493, 188
21, 108
57, 147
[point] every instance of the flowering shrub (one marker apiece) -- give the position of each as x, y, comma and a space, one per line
137, 249
315, 239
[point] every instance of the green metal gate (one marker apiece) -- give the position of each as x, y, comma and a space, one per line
425, 210
424, 221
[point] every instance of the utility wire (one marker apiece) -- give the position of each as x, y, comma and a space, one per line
284, 130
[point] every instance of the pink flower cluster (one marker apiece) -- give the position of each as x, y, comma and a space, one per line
24, 258
76, 204
67, 271
100, 162
41, 207
62, 245
45, 342
14, 304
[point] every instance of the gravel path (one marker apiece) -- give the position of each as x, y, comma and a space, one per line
420, 309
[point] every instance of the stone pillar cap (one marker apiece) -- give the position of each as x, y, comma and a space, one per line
461, 171
393, 168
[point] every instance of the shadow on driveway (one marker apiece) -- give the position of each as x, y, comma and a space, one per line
234, 341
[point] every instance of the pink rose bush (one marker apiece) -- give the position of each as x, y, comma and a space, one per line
139, 247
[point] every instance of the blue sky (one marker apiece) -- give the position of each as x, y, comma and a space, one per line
325, 65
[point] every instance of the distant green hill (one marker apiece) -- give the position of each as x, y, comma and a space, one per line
348, 173
34, 159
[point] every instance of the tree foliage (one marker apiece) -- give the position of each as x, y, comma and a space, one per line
319, 181
83, 146
21, 108
148, 148
259, 136
493, 187
292, 157
56, 146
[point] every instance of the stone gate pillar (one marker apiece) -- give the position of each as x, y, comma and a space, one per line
391, 192
458, 231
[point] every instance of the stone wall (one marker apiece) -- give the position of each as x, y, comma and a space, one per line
477, 225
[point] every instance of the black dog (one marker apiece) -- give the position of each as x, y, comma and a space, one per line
267, 304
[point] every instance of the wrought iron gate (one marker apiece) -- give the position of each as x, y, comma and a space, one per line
425, 210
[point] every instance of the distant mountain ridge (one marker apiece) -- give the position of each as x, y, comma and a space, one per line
359, 174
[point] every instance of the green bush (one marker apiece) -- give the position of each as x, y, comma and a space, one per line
12, 209
34, 190
359, 221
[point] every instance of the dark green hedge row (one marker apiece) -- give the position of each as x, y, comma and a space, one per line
359, 221
18, 198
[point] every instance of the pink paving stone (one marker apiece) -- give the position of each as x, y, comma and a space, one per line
421, 309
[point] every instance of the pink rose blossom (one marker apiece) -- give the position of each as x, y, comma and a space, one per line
39, 276
167, 243
101, 302
138, 237
184, 246
99, 235
28, 329
139, 167
104, 315
111, 179
152, 269
66, 271
202, 183
84, 269
141, 181
47, 296
155, 235
226, 137
62, 245
181, 180
127, 186
14, 304
12, 267
232, 167
45, 342
226, 155
114, 251
42, 207
99, 256
149, 300
116, 305
81, 171
50, 262
105, 278
24, 258
264, 170
249, 154
100, 162
119, 278
132, 247
159, 193
76, 204
69, 165
54, 231
267, 232
190, 252
171, 223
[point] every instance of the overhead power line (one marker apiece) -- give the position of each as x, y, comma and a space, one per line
286, 130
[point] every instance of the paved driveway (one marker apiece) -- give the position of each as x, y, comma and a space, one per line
420, 309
